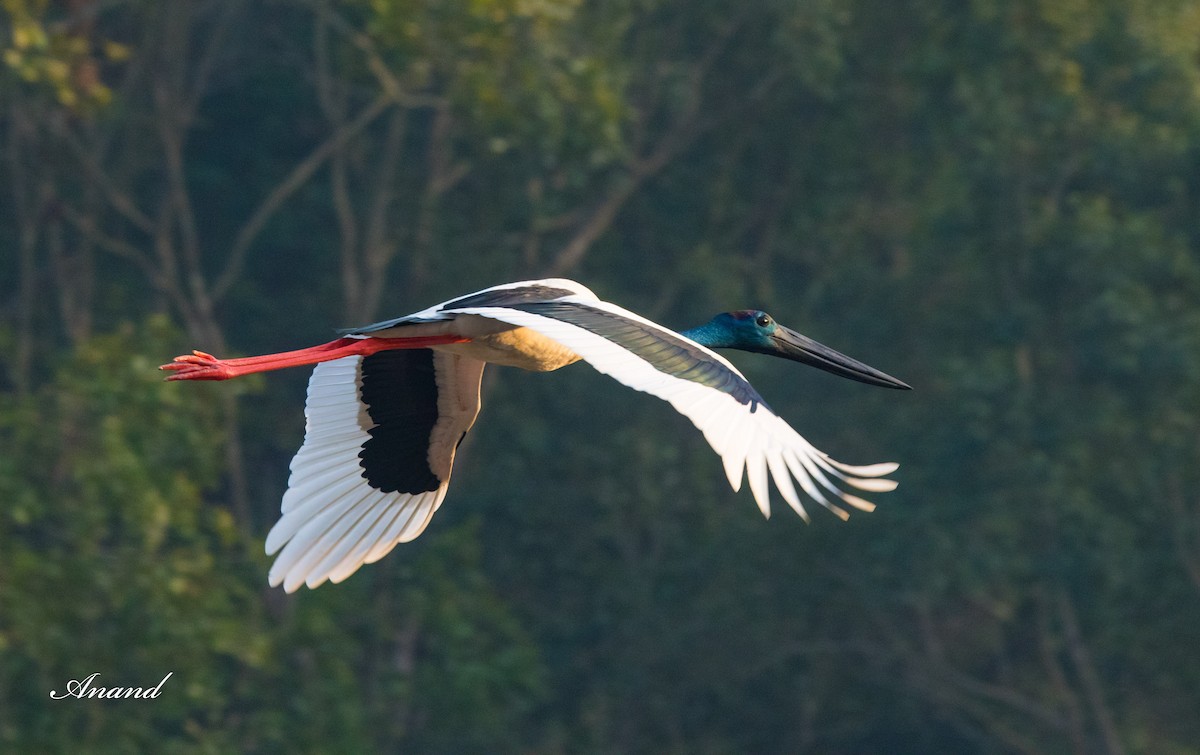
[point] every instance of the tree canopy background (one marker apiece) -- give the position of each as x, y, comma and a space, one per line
995, 201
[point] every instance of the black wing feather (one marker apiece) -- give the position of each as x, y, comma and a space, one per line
399, 390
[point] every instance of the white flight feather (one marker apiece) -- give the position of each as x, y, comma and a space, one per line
326, 544
373, 509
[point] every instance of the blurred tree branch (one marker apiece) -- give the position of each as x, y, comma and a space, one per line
282, 191
684, 128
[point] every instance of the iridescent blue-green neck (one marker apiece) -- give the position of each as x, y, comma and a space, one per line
710, 334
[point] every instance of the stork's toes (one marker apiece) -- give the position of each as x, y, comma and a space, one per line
197, 366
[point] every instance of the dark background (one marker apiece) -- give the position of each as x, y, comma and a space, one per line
994, 201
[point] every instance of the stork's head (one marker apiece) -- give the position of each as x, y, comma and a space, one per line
755, 330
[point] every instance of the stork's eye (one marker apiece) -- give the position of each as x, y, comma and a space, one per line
763, 320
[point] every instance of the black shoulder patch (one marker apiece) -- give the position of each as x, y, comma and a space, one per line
382, 325
665, 351
507, 297
399, 390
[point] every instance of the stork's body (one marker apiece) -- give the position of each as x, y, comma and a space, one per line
492, 342
389, 404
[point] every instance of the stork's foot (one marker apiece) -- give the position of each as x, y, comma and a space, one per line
199, 365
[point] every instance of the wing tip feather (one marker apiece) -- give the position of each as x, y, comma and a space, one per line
858, 503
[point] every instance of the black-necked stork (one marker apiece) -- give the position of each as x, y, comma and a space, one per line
389, 403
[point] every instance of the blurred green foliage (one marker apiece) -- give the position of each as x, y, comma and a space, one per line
995, 201
56, 57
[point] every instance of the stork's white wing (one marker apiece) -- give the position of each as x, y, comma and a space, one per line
705, 388
335, 518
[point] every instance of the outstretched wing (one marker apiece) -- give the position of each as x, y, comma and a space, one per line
380, 436
702, 386
504, 295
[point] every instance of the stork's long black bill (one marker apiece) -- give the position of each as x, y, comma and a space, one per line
801, 348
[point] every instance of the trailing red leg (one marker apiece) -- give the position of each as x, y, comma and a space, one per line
201, 366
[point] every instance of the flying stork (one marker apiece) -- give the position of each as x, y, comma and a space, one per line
389, 403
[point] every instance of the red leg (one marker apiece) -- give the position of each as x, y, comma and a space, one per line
201, 366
